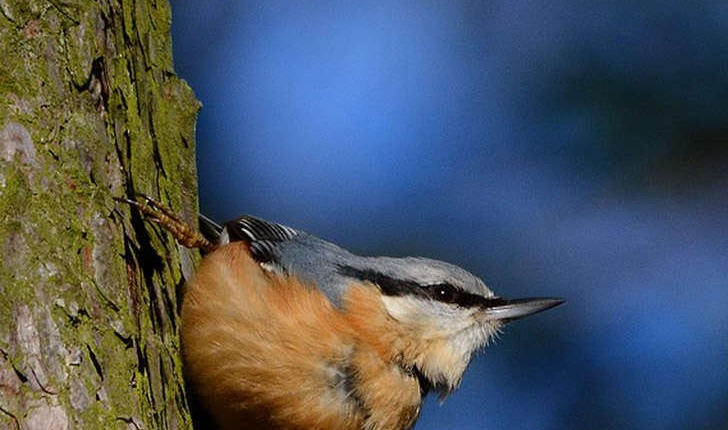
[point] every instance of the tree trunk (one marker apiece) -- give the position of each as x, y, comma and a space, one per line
90, 109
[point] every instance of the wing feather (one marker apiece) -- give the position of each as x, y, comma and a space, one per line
262, 236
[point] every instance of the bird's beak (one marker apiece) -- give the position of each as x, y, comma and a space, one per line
509, 310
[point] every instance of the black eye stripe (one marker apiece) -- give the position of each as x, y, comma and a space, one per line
445, 293
449, 294
390, 286
442, 293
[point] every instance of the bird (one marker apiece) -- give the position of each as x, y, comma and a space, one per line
283, 330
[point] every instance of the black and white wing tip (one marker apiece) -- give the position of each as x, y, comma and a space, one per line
262, 236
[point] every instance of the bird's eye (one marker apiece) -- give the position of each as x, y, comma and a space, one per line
443, 293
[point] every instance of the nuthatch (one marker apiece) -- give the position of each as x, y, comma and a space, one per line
283, 330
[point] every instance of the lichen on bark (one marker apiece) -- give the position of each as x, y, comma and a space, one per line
90, 109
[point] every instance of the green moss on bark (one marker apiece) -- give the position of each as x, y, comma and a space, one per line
91, 110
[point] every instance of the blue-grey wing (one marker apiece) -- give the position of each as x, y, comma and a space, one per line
292, 252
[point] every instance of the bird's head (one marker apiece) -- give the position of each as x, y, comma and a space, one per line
445, 312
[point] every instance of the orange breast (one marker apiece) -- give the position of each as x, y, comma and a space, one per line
263, 351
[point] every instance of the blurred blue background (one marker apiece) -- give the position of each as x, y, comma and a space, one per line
562, 148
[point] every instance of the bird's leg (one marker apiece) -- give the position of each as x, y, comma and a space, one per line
186, 235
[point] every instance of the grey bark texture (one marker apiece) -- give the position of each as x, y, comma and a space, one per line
91, 109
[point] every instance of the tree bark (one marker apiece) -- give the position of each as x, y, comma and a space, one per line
90, 109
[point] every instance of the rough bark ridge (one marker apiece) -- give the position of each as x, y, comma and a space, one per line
90, 108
